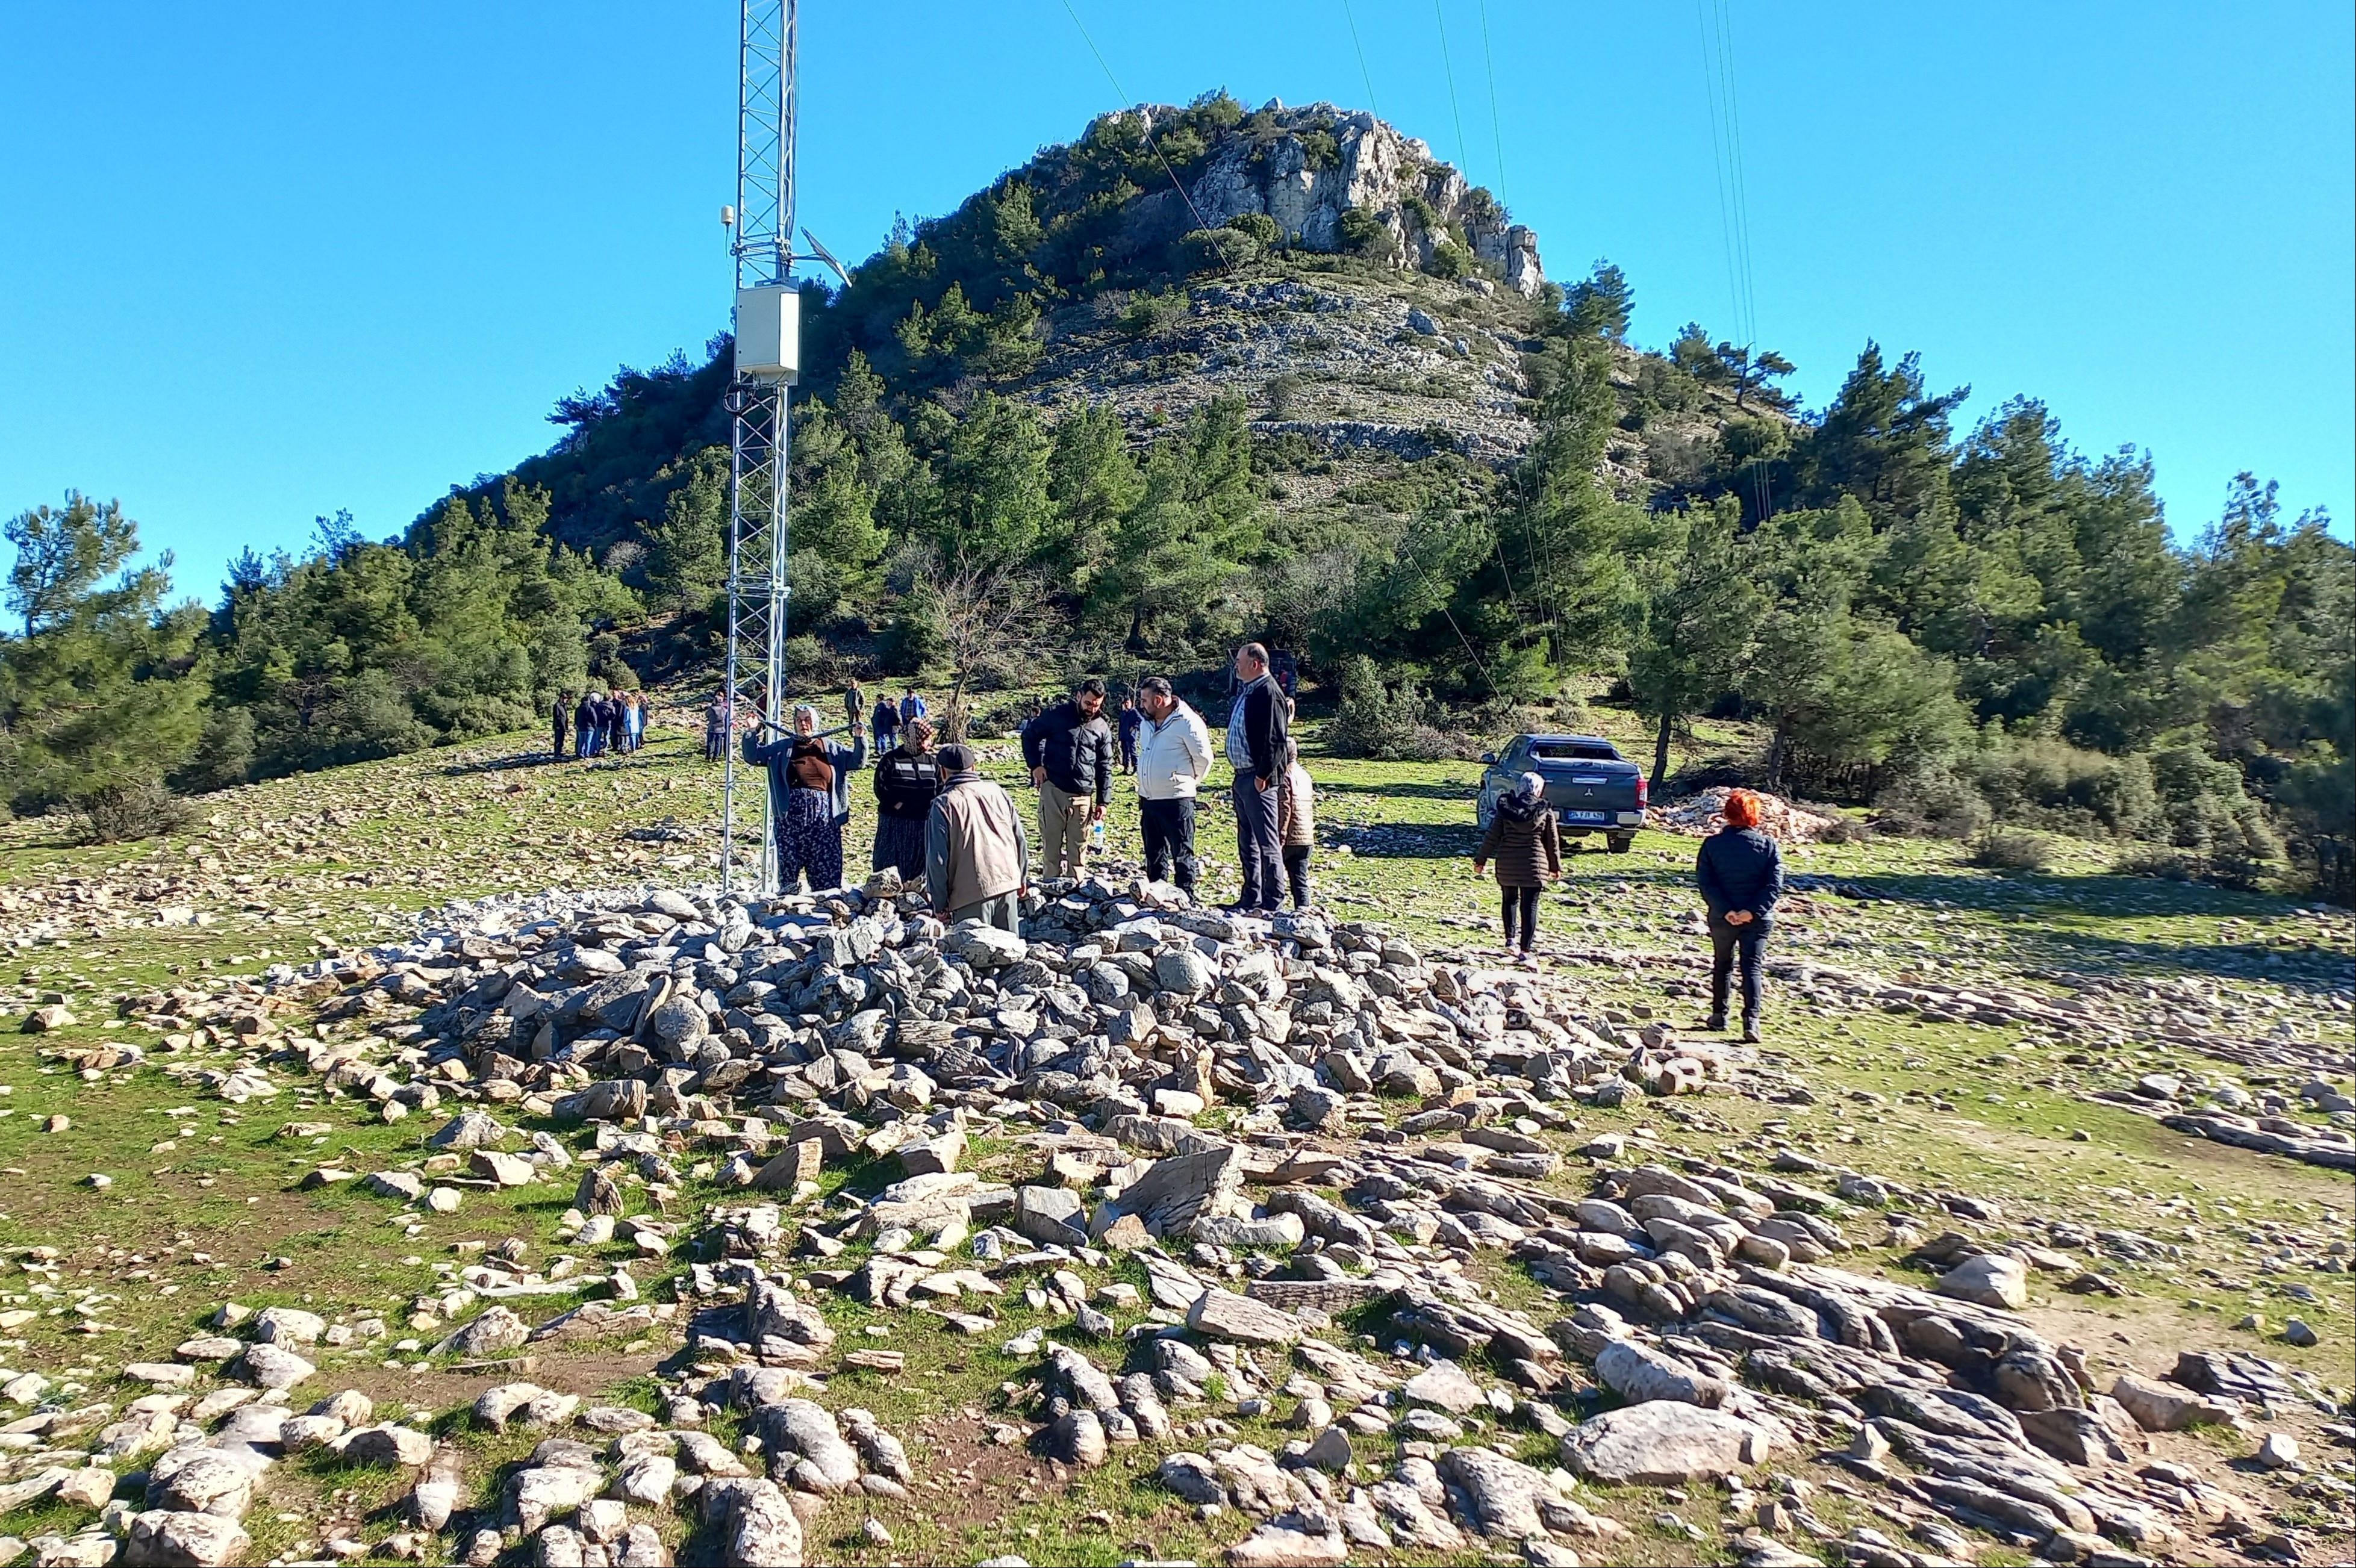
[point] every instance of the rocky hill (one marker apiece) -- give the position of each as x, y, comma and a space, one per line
1372, 306
1333, 181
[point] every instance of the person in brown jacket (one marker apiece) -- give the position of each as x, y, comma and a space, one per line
1526, 848
1296, 822
975, 850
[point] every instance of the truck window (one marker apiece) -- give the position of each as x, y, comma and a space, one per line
1574, 752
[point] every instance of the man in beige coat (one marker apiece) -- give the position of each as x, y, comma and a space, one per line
975, 849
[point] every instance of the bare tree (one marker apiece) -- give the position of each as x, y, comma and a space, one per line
986, 620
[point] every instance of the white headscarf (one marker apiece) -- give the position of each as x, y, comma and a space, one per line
1533, 787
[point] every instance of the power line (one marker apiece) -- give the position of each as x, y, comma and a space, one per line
1497, 129
1742, 188
1145, 116
1448, 66
1716, 25
1351, 17
1718, 163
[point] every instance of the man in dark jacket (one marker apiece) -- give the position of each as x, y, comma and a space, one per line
1258, 729
1740, 873
588, 725
1131, 721
1069, 750
557, 716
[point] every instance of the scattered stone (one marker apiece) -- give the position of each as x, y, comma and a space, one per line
269, 1366
2157, 1407
1663, 1442
1991, 1279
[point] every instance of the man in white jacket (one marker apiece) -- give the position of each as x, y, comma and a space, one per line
1174, 757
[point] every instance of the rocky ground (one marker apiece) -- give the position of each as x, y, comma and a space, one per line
1370, 370
633, 1224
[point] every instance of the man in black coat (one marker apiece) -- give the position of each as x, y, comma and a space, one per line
1069, 750
1258, 730
1740, 872
557, 715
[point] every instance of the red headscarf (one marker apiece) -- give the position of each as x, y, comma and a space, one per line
1742, 808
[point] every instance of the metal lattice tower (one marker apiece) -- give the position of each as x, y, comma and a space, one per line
759, 528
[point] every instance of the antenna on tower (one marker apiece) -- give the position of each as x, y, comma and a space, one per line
768, 356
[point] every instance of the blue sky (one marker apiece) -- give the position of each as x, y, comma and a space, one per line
268, 260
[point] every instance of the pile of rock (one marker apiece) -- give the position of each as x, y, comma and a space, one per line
1699, 815
1273, 1123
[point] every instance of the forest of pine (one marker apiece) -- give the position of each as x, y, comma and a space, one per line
1954, 625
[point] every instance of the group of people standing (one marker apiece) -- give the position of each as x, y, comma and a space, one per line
937, 820
939, 823
600, 722
890, 718
1164, 744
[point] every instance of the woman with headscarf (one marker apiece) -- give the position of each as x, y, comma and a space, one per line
810, 797
1524, 842
717, 717
1740, 873
907, 778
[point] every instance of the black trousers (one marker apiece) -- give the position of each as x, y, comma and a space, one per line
1169, 828
1296, 872
1523, 902
1728, 943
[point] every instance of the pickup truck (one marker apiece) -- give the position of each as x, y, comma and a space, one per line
1592, 788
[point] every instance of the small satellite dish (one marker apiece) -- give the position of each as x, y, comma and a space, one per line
727, 217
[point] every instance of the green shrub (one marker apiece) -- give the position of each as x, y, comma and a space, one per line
2207, 813
2057, 786
2155, 861
224, 753
1363, 233
1259, 226
2011, 850
1449, 260
1284, 395
1153, 311
1932, 803
1210, 249
1385, 723
137, 808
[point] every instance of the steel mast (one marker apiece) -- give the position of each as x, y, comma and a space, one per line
767, 324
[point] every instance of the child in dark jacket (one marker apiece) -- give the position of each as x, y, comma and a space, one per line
1525, 844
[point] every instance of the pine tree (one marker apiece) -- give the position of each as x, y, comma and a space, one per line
994, 485
1602, 305
1096, 485
97, 699
1698, 628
